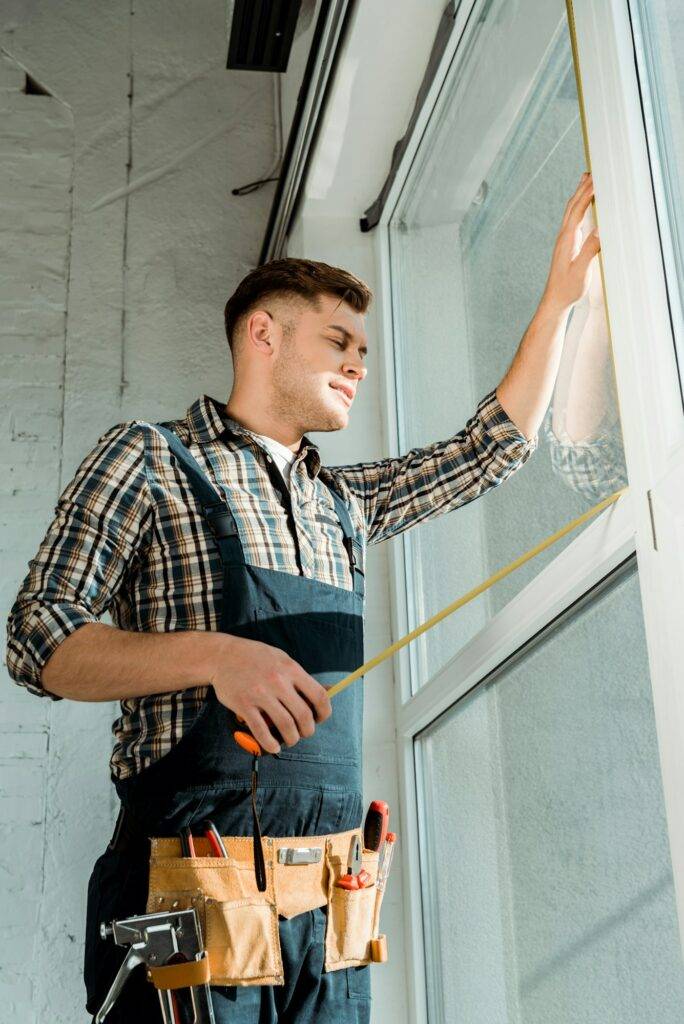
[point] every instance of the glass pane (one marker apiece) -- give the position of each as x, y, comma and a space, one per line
549, 892
471, 243
659, 30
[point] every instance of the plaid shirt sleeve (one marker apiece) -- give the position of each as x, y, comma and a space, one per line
98, 527
594, 468
399, 493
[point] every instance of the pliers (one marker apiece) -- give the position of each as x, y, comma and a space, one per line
356, 877
210, 831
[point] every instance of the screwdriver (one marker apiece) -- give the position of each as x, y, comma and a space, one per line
375, 825
386, 860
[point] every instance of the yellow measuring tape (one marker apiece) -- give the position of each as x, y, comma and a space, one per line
461, 601
247, 741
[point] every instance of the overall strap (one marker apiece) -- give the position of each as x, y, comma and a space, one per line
216, 512
224, 528
353, 547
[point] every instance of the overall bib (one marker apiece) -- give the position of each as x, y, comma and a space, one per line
312, 788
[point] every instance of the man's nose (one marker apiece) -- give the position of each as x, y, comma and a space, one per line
355, 369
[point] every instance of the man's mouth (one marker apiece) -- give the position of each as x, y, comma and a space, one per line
346, 391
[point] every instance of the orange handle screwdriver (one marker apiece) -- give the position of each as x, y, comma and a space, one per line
248, 742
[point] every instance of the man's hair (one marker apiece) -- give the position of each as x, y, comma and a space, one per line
293, 278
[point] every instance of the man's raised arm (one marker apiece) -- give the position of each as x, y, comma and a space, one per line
398, 493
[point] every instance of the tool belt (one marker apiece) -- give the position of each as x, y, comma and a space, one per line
240, 923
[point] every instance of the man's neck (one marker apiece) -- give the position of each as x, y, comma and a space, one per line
259, 422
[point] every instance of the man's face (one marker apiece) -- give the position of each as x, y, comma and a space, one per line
319, 366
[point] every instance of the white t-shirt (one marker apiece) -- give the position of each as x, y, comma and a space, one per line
282, 455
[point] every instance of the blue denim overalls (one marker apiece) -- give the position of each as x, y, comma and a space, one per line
312, 788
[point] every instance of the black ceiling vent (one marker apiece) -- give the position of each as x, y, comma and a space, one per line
261, 34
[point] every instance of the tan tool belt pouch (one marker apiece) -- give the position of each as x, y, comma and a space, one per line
240, 924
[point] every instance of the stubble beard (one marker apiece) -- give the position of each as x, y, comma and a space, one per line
295, 399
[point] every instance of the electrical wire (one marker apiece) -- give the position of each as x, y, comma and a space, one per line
274, 173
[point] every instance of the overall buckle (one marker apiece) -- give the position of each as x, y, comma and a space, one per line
221, 521
354, 553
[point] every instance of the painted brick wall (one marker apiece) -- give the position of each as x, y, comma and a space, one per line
36, 163
121, 242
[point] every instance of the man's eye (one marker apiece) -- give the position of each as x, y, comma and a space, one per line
336, 341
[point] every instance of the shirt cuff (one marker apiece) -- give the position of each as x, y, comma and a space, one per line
32, 642
502, 429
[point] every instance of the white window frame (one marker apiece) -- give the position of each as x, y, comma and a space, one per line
653, 510
661, 185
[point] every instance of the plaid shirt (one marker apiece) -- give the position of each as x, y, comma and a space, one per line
128, 537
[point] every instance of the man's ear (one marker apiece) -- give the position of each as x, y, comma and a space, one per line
260, 331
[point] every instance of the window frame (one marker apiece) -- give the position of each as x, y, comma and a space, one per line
645, 521
670, 233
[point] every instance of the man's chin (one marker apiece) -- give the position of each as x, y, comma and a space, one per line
336, 420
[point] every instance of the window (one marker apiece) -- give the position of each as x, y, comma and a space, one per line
470, 246
545, 841
531, 776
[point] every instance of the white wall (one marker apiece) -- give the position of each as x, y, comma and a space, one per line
111, 310
35, 178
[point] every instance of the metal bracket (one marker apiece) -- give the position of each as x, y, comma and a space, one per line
299, 854
650, 512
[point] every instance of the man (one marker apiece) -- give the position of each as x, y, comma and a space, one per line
232, 563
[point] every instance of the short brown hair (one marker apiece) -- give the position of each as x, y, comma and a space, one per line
305, 279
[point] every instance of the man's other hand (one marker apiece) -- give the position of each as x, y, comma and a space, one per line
256, 680
571, 264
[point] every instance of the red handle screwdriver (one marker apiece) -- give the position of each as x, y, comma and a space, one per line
375, 825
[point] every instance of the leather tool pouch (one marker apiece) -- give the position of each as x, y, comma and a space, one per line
240, 924
353, 914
